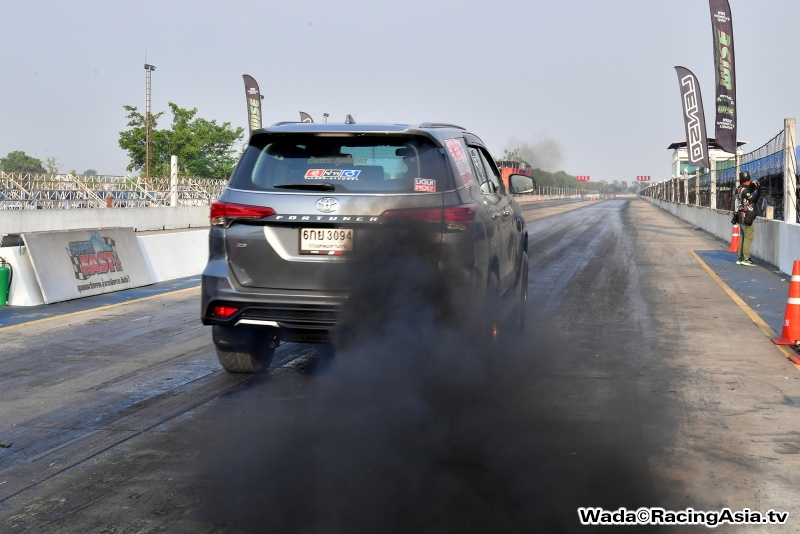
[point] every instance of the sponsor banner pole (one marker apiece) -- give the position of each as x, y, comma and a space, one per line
694, 120
725, 75
253, 96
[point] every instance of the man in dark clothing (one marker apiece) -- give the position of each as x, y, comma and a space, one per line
747, 194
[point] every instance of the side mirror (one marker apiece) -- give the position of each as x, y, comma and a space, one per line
519, 183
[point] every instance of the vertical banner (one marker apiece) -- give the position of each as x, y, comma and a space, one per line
694, 120
305, 117
725, 74
253, 102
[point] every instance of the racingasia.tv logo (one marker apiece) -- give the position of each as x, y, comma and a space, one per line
98, 255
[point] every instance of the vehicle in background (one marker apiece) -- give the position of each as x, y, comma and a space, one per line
302, 199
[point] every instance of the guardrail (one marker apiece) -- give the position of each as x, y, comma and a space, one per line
24, 191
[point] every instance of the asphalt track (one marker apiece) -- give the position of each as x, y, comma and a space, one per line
638, 382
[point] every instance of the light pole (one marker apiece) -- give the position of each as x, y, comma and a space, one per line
148, 123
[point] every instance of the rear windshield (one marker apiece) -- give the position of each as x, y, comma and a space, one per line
359, 164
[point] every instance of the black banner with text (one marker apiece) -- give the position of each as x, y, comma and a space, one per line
725, 75
694, 119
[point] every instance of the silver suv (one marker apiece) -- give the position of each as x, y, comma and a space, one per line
305, 198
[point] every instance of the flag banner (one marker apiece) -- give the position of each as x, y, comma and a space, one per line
582, 178
642, 178
253, 103
694, 120
305, 117
725, 75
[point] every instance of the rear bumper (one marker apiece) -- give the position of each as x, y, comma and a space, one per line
306, 316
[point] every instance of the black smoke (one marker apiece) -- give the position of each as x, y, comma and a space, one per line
417, 426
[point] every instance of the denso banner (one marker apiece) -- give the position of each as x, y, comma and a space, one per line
253, 96
725, 74
70, 264
694, 120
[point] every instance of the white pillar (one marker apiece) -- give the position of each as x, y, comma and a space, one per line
697, 187
712, 200
173, 181
790, 172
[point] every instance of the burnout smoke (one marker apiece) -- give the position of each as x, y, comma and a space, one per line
415, 427
544, 154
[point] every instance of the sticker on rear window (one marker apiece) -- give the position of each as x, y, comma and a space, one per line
338, 161
458, 150
332, 174
424, 185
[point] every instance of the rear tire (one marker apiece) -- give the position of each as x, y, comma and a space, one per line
491, 320
519, 323
242, 349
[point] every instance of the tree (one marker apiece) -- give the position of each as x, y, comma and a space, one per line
204, 148
90, 172
19, 161
52, 166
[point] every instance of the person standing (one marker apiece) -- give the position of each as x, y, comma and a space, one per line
747, 194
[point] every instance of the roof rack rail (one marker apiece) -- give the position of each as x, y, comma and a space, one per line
281, 123
440, 125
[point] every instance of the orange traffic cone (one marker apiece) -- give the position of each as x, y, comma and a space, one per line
791, 319
734, 239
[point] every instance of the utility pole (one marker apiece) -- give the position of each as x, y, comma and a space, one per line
148, 121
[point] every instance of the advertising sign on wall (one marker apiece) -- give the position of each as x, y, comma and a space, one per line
70, 264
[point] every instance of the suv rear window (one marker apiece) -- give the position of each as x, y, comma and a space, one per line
358, 164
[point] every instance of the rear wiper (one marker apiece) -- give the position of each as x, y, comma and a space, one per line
307, 187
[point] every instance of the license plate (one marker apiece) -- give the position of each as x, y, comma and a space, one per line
326, 241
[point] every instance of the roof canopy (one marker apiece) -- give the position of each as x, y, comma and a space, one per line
712, 143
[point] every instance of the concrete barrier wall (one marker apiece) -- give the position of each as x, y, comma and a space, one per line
175, 254
168, 255
141, 219
25, 289
774, 242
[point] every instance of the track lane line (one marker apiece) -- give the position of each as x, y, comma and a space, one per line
760, 323
106, 307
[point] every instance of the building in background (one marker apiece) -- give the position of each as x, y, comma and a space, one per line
680, 157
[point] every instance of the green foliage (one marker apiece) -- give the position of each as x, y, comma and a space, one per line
19, 161
90, 172
204, 148
52, 166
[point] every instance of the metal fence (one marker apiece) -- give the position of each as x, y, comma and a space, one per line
21, 191
766, 166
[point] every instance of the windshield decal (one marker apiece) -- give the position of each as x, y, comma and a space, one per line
332, 174
338, 161
458, 150
424, 185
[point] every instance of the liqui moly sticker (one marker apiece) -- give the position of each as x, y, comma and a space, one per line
424, 185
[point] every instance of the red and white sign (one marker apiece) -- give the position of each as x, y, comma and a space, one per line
642, 178
582, 178
314, 173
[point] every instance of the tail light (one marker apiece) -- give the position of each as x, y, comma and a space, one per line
221, 211
223, 312
455, 218
459, 218
414, 214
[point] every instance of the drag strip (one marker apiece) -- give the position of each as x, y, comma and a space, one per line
79, 385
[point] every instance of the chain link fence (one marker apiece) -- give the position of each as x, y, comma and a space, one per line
766, 166
22, 191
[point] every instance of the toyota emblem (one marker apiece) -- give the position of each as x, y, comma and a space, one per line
327, 205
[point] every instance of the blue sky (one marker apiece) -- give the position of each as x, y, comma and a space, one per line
594, 78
